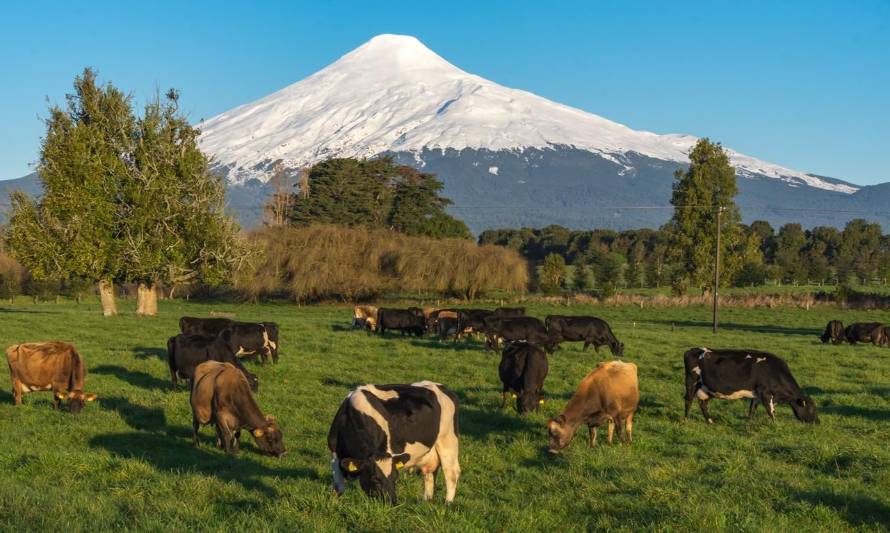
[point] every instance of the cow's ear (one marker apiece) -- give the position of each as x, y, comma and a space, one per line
400, 460
89, 397
350, 465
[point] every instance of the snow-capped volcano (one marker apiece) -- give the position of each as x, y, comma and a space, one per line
393, 94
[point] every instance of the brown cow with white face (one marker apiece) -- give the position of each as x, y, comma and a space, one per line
609, 393
42, 366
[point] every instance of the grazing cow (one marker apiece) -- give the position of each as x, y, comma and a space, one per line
381, 429
403, 320
55, 366
364, 317
221, 396
589, 329
872, 332
735, 374
523, 328
609, 393
186, 352
256, 339
447, 326
509, 311
834, 332
522, 370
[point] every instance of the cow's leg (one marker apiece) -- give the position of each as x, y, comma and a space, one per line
173, 379
769, 403
429, 485
16, 392
586, 345
339, 480
220, 440
504, 398
703, 404
751, 407
196, 426
229, 441
592, 430
448, 456
236, 440
629, 428
610, 431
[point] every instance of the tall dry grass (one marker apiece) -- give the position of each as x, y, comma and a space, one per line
325, 262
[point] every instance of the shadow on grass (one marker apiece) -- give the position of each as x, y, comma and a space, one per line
175, 456
878, 415
741, 327
27, 311
437, 344
136, 378
136, 416
857, 510
477, 422
143, 352
348, 385
5, 397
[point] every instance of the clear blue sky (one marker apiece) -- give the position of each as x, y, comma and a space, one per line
803, 84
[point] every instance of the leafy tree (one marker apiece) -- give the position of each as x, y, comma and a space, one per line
553, 273
790, 244
581, 278
709, 184
417, 208
860, 249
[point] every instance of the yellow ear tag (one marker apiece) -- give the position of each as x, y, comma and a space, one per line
540, 402
352, 468
513, 395
258, 433
400, 465
61, 395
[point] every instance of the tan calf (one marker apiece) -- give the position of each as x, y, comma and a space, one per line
609, 393
364, 316
43, 366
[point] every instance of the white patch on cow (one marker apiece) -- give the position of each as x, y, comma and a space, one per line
760, 359
267, 343
748, 356
696, 370
360, 403
382, 394
704, 352
772, 406
242, 351
701, 394
732, 396
385, 465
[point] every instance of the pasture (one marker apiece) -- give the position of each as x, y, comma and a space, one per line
127, 461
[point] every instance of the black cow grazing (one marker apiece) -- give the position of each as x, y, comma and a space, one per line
522, 370
473, 320
523, 328
589, 329
186, 352
734, 374
448, 327
509, 311
381, 429
256, 339
403, 320
834, 332
872, 332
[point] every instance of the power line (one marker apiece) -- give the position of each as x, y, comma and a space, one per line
657, 207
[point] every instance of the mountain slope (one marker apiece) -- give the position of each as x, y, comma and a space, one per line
393, 94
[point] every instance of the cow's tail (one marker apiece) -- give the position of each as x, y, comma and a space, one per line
78, 372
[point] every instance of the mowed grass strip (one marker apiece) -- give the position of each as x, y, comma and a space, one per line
127, 461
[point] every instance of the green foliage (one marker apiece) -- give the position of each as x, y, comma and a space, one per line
553, 273
376, 193
708, 185
582, 278
608, 268
126, 198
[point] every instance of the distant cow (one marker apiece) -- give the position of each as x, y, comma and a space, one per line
186, 352
522, 370
447, 326
834, 332
872, 332
509, 311
364, 317
733, 374
473, 320
589, 329
258, 339
525, 328
381, 429
609, 393
221, 396
403, 320
55, 366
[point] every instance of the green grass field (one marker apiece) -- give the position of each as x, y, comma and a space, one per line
127, 461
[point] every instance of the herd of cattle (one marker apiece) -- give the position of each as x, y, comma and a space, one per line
379, 430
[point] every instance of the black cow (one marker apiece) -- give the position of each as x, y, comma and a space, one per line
872, 332
381, 429
257, 339
448, 327
473, 319
509, 311
522, 370
834, 332
403, 320
589, 329
524, 328
734, 374
186, 352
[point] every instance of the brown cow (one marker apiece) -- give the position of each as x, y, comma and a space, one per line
221, 396
364, 317
609, 393
56, 366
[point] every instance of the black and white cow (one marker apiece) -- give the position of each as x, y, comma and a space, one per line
734, 374
255, 339
834, 332
381, 429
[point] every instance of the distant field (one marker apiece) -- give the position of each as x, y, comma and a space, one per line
127, 461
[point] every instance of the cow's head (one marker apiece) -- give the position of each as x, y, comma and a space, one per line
617, 348
377, 474
269, 438
252, 380
528, 401
560, 434
76, 399
805, 409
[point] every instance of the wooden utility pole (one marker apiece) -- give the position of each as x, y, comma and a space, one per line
717, 266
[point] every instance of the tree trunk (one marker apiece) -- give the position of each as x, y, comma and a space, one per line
147, 300
106, 296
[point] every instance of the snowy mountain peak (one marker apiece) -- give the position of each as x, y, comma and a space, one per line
393, 94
